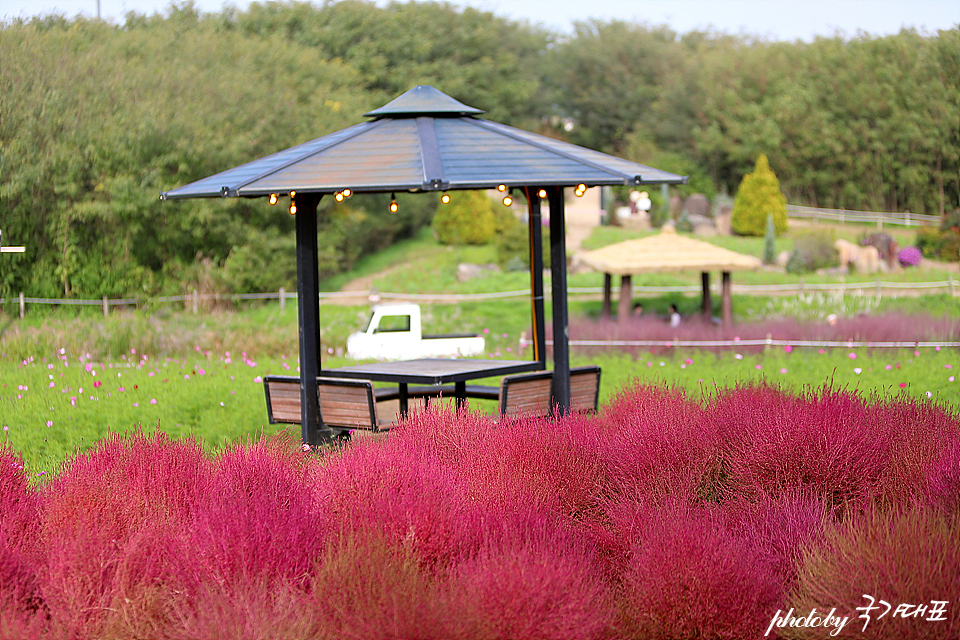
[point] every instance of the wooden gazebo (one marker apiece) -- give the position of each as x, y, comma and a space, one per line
425, 140
664, 252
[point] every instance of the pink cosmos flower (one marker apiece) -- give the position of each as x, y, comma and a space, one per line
153, 401
852, 355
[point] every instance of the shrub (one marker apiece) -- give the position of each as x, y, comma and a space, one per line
813, 250
759, 196
530, 580
908, 555
467, 219
778, 443
655, 442
909, 257
690, 577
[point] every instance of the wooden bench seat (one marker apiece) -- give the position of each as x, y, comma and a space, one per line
343, 403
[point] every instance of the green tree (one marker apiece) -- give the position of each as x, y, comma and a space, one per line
467, 219
759, 196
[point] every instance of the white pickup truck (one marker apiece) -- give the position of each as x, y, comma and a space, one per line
394, 332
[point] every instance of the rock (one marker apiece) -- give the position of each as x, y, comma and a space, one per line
782, 258
697, 205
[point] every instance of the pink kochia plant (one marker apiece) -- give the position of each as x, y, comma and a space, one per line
661, 517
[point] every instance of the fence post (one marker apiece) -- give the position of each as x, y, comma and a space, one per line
906, 218
106, 307
953, 291
879, 289
23, 307
283, 298
196, 301
879, 220
842, 216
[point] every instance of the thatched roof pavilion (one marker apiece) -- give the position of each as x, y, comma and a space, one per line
666, 252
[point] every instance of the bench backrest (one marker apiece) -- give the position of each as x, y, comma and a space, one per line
348, 404
529, 394
584, 389
283, 399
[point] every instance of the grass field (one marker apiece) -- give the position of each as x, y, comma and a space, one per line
68, 378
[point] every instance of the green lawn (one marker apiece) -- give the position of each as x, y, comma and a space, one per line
199, 374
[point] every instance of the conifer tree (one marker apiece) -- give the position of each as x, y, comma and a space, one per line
759, 196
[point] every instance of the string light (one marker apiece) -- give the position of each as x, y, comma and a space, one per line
338, 196
580, 190
501, 188
293, 194
445, 198
347, 193
542, 193
393, 204
273, 198
508, 200
293, 208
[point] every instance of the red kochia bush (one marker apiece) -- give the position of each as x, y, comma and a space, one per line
95, 512
252, 546
19, 504
531, 579
654, 441
902, 556
943, 480
688, 576
827, 444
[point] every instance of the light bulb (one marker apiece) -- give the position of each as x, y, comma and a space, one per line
293, 208
338, 196
501, 188
445, 198
507, 200
347, 193
273, 198
542, 193
393, 204
581, 187
293, 194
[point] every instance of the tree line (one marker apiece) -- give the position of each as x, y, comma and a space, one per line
98, 118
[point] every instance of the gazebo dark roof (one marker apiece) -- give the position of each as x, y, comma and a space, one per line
424, 140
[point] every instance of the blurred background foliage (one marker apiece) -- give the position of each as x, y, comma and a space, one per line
98, 118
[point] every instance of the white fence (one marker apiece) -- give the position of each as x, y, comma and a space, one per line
191, 301
905, 219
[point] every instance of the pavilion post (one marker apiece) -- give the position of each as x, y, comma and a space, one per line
726, 305
308, 304
537, 322
561, 322
707, 302
626, 298
607, 286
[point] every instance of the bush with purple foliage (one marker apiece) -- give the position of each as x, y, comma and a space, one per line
659, 517
909, 257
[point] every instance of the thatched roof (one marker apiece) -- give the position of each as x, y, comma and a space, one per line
665, 251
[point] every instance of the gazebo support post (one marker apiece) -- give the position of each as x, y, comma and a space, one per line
535, 234
607, 286
308, 309
707, 302
561, 323
725, 303
626, 298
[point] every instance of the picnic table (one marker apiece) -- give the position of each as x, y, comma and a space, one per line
434, 373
